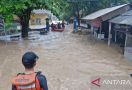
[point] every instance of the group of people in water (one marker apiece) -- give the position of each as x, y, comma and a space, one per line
58, 26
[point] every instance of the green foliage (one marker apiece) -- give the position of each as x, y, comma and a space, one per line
21, 7
108, 3
61, 8
89, 6
58, 7
7, 26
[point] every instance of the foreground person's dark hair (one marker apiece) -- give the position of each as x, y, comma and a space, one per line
29, 59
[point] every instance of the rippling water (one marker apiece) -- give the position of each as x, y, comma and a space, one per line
67, 60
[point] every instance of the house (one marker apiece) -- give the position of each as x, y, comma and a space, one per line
121, 33
99, 20
38, 17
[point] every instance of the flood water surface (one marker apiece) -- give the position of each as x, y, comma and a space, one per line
67, 60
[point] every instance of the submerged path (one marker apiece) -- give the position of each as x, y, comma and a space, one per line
67, 60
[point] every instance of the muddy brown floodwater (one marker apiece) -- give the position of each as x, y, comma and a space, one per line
67, 60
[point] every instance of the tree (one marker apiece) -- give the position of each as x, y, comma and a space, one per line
78, 6
61, 8
109, 3
89, 6
23, 9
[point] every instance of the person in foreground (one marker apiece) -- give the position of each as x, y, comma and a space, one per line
29, 80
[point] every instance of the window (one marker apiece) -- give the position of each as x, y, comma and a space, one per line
38, 21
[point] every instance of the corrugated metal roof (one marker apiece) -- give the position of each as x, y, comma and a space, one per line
102, 12
128, 13
125, 18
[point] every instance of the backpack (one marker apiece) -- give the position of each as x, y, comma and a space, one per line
26, 81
